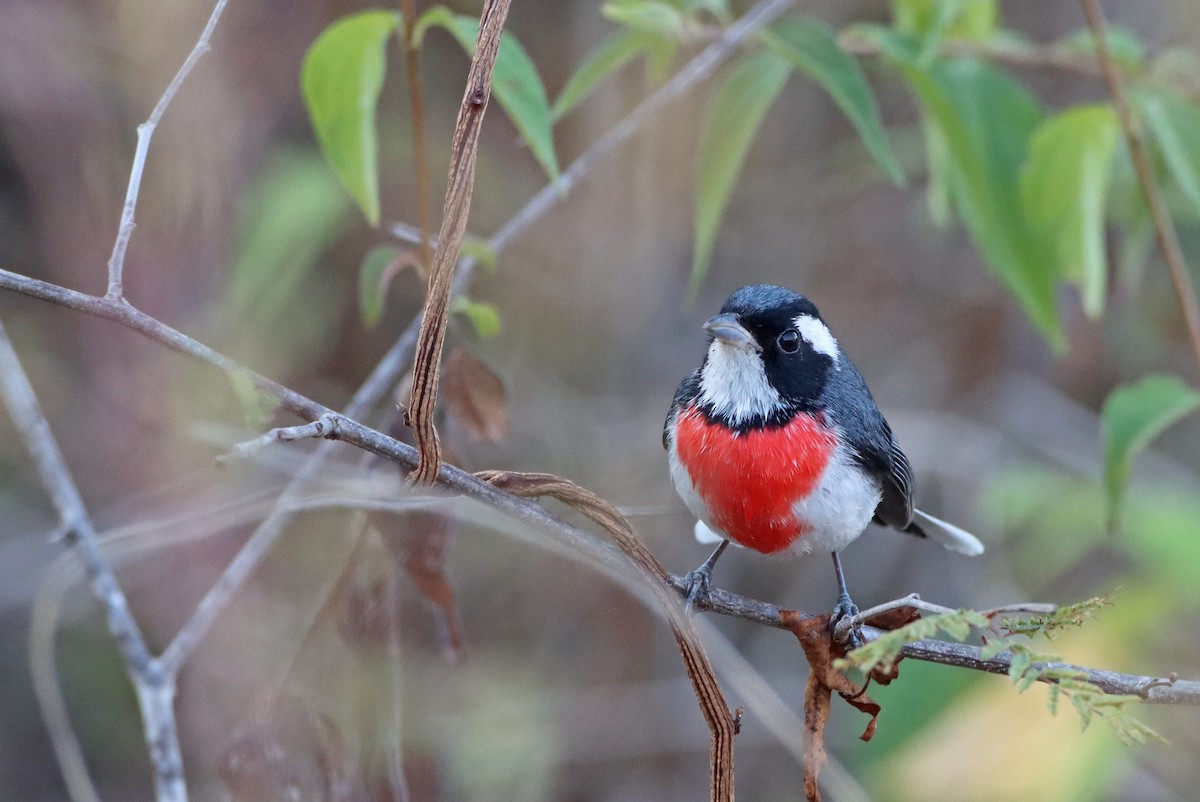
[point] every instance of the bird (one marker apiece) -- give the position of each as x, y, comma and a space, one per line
775, 443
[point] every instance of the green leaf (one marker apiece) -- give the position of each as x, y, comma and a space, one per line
288, 216
1064, 186
646, 16
480, 251
371, 289
1133, 415
257, 405
937, 157
1124, 45
515, 81
1175, 125
616, 51
341, 80
985, 120
484, 317
937, 19
737, 111
813, 49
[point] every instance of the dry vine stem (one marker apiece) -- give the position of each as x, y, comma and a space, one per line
461, 184
721, 723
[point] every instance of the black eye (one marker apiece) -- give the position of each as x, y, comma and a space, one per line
789, 341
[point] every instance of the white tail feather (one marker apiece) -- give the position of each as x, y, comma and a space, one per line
948, 535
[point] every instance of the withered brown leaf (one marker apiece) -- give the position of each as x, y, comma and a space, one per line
813, 633
475, 396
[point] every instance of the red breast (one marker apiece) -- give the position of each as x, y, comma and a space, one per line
750, 480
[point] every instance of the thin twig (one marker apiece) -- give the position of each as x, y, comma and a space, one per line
155, 691
1164, 227
324, 426
145, 131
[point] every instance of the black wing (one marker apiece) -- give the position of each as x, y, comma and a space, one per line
896, 507
874, 446
688, 389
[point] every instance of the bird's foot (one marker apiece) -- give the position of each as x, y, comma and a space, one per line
699, 586
844, 614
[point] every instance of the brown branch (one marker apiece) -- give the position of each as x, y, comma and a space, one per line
463, 152
1164, 228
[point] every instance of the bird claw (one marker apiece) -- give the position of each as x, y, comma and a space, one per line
699, 586
847, 610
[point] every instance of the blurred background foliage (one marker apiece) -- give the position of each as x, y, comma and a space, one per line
946, 180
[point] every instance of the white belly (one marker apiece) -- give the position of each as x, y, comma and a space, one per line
839, 509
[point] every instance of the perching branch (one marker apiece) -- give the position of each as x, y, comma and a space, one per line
1164, 227
1153, 690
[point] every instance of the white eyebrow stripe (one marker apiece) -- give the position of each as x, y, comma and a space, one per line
817, 335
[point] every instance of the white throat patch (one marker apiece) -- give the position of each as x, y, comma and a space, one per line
817, 335
734, 383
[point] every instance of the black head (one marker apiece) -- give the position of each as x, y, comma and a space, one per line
770, 356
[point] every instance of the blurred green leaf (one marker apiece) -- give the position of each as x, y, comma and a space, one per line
937, 156
1054, 519
985, 120
1064, 186
736, 113
288, 216
1159, 532
612, 54
718, 8
813, 49
936, 19
646, 16
479, 250
257, 405
371, 285
515, 81
484, 317
1133, 415
1123, 44
1175, 125
341, 80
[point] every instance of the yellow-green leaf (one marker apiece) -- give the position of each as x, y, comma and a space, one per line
736, 113
515, 82
813, 49
616, 51
1175, 125
484, 317
371, 285
1064, 186
647, 16
1133, 415
341, 79
984, 119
